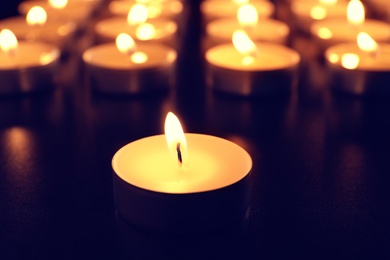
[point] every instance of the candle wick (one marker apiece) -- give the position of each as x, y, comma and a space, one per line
179, 157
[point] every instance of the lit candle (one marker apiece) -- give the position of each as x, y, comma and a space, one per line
127, 67
215, 9
245, 68
26, 66
138, 27
307, 12
156, 9
268, 30
181, 182
66, 10
333, 31
34, 27
361, 67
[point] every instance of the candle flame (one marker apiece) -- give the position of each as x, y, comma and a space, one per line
126, 45
36, 16
247, 16
145, 31
8, 41
138, 14
325, 33
318, 12
245, 46
174, 134
350, 61
355, 12
58, 4
366, 43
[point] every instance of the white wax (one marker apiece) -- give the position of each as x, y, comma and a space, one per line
111, 27
367, 61
108, 56
221, 8
270, 57
52, 32
342, 31
169, 8
29, 54
266, 30
212, 163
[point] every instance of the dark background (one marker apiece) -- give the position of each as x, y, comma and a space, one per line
320, 177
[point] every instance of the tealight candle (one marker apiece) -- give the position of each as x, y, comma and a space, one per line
124, 67
138, 27
333, 31
245, 68
181, 183
307, 12
156, 9
66, 10
360, 68
34, 27
214, 9
26, 66
268, 30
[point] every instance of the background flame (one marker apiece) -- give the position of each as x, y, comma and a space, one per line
36, 15
125, 43
355, 12
243, 43
366, 43
58, 4
138, 14
247, 15
8, 41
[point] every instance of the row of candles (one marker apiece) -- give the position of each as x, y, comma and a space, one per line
238, 58
196, 182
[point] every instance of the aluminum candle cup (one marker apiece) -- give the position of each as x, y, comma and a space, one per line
75, 10
164, 30
215, 9
266, 30
331, 32
357, 72
31, 68
58, 33
307, 12
210, 190
273, 71
156, 9
111, 71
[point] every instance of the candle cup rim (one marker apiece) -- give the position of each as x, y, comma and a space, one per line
246, 154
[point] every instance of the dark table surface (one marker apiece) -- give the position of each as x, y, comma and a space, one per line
320, 176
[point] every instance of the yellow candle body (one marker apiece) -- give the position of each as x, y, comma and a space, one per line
55, 32
369, 74
169, 8
212, 163
214, 9
305, 16
330, 32
113, 72
30, 68
267, 30
270, 57
108, 29
210, 191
